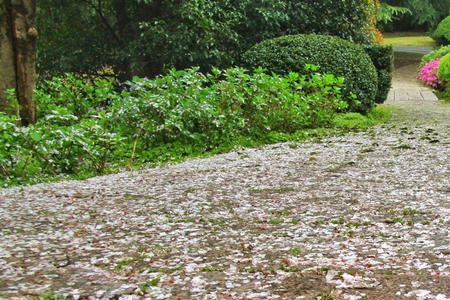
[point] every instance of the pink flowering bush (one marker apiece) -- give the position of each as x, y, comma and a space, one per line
429, 73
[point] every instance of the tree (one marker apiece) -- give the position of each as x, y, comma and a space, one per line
413, 14
147, 37
18, 54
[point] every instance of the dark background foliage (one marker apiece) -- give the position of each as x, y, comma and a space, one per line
146, 37
425, 14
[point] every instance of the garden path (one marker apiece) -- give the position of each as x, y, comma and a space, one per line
360, 216
405, 86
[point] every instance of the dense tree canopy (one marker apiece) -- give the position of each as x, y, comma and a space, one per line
422, 14
145, 37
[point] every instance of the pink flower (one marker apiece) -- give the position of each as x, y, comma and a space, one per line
428, 74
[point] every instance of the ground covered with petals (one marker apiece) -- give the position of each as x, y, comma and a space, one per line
366, 214
360, 216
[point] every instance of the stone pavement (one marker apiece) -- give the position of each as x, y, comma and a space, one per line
406, 87
413, 49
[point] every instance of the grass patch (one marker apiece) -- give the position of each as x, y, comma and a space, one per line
403, 39
352, 121
145, 287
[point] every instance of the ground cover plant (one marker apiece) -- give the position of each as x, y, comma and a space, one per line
87, 127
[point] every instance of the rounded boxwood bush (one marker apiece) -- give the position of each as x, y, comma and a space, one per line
331, 54
442, 33
444, 70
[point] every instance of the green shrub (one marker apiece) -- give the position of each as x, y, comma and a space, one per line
444, 71
442, 33
171, 116
331, 54
437, 53
80, 95
190, 107
383, 60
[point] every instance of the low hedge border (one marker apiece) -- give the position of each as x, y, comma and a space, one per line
383, 59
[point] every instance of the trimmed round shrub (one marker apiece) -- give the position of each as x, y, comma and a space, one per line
444, 70
331, 54
442, 33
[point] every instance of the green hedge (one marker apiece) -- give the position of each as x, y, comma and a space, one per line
444, 70
331, 54
442, 33
383, 60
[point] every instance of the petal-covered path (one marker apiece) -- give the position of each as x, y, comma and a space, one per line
361, 216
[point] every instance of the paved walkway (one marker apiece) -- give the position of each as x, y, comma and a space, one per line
405, 86
413, 49
360, 216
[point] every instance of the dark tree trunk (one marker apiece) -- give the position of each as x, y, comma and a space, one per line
24, 34
7, 57
18, 54
123, 30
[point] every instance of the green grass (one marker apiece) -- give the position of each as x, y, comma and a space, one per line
408, 39
352, 121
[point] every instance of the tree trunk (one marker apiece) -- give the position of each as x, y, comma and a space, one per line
18, 54
23, 20
7, 57
124, 32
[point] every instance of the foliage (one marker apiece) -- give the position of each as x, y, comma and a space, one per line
442, 33
444, 71
79, 95
383, 59
330, 54
147, 38
190, 107
72, 37
173, 116
429, 73
428, 12
425, 14
387, 13
437, 53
